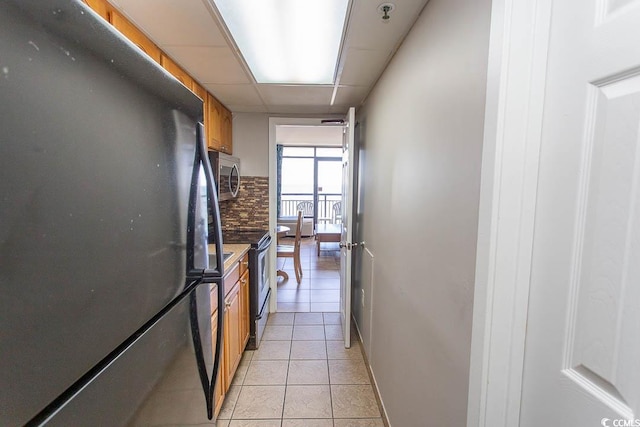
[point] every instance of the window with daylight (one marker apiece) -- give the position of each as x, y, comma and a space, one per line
310, 179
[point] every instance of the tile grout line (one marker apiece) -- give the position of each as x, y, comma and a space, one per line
286, 384
326, 348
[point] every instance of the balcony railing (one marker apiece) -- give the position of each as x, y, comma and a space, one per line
289, 202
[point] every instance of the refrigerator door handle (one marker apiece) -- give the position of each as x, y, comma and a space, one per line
212, 198
199, 352
207, 276
217, 355
208, 384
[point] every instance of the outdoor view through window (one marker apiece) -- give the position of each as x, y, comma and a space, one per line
311, 174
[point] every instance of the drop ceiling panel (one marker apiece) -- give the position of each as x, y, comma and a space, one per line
235, 94
175, 22
362, 67
298, 109
296, 95
188, 31
351, 95
247, 108
367, 31
339, 109
209, 65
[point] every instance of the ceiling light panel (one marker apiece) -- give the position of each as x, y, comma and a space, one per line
287, 41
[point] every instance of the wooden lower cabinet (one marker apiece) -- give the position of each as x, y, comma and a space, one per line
236, 327
232, 346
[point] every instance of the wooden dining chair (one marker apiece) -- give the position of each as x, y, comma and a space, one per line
289, 251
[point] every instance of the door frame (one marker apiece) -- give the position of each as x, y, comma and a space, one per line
273, 196
518, 51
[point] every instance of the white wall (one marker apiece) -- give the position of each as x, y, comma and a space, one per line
421, 130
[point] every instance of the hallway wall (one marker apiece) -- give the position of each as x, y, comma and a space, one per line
421, 132
251, 140
251, 143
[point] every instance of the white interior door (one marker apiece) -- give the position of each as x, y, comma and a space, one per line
582, 356
346, 238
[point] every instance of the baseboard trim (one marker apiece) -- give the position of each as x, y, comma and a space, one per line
374, 383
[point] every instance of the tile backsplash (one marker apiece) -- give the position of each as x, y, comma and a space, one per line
250, 210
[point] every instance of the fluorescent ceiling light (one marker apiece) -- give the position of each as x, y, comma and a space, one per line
287, 41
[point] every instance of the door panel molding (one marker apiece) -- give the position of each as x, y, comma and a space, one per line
600, 348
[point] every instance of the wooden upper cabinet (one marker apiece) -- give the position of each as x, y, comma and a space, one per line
219, 123
202, 94
218, 120
175, 70
214, 123
101, 7
226, 145
135, 35
199, 91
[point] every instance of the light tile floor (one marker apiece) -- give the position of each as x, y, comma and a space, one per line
319, 290
302, 376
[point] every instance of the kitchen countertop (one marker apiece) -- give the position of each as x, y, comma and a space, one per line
238, 249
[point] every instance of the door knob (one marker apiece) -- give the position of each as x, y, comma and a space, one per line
349, 245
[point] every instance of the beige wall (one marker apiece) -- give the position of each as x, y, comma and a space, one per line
251, 143
251, 140
421, 130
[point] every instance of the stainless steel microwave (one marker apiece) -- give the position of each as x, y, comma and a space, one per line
227, 174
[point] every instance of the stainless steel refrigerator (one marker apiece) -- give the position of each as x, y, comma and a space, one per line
105, 280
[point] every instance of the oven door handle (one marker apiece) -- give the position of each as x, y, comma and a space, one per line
265, 245
259, 315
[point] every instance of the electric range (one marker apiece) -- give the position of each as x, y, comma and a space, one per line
259, 273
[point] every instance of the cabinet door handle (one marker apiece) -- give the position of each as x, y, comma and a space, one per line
227, 304
245, 263
243, 281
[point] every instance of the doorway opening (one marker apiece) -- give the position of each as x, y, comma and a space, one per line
308, 165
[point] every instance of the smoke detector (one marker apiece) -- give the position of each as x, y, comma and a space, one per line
385, 10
